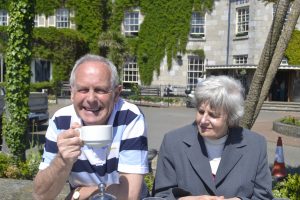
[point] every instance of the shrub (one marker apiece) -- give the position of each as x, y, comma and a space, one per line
290, 120
288, 188
149, 178
5, 162
38, 86
16, 169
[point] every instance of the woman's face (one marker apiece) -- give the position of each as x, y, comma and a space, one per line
211, 123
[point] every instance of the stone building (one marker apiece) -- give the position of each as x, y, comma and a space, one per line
232, 37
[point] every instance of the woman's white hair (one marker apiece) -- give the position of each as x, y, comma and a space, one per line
222, 93
90, 57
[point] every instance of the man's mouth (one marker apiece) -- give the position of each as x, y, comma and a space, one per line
92, 109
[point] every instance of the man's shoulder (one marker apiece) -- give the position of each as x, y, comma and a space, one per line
125, 105
65, 111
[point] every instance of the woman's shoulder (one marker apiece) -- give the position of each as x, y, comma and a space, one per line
181, 133
252, 136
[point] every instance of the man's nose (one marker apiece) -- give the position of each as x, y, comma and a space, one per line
91, 95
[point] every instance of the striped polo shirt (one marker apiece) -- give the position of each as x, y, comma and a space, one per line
127, 153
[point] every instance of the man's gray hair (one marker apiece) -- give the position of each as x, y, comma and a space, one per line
222, 92
90, 57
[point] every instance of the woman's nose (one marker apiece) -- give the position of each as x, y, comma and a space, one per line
204, 118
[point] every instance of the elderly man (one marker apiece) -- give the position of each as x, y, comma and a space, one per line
121, 166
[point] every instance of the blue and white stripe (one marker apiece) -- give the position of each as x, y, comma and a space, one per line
127, 153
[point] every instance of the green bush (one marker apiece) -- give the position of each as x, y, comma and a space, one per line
149, 178
290, 120
16, 169
5, 162
288, 188
38, 86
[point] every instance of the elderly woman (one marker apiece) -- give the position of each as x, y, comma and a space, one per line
214, 158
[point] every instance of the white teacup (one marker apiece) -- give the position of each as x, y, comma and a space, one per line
96, 135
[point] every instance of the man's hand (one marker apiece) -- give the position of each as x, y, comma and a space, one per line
69, 145
202, 197
207, 197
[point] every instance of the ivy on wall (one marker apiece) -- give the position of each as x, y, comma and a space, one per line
91, 17
293, 51
61, 46
47, 7
4, 4
18, 57
164, 31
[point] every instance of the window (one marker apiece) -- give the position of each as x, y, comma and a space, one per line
287, 14
2, 69
131, 23
284, 61
131, 71
36, 20
240, 59
240, 2
3, 18
62, 18
39, 21
197, 25
41, 70
242, 21
195, 70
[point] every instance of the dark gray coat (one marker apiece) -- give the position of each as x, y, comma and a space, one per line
183, 167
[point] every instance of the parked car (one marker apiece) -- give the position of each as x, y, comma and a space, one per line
190, 101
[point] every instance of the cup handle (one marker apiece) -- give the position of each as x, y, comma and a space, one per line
79, 130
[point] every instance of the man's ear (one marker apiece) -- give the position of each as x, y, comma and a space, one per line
72, 94
118, 90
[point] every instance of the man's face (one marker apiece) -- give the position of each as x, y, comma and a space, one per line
93, 96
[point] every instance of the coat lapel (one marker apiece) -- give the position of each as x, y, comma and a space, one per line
197, 156
231, 154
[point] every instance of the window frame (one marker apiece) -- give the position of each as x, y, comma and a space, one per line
4, 17
38, 75
131, 71
242, 21
62, 18
194, 26
195, 70
131, 29
240, 59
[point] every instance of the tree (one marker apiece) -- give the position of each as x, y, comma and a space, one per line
113, 46
252, 106
18, 58
281, 46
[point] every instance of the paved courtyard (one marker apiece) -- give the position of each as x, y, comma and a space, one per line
159, 122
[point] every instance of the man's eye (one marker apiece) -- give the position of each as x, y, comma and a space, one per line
83, 90
101, 91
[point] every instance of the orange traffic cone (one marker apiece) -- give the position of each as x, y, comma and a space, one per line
279, 170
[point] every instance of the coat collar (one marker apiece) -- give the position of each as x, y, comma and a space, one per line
197, 155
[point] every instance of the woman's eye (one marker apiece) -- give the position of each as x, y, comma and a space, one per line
214, 115
201, 112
